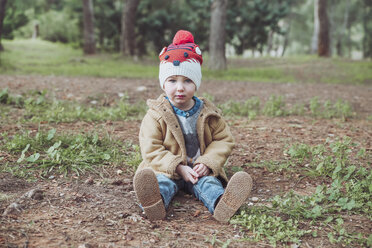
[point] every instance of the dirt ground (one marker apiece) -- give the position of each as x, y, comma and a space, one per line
92, 211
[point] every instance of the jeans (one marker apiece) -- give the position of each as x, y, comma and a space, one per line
208, 189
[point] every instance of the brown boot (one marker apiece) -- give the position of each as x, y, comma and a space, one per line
148, 194
236, 193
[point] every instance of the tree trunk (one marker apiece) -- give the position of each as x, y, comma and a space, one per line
270, 41
2, 15
89, 37
314, 40
286, 36
217, 57
128, 24
323, 38
341, 36
36, 32
367, 38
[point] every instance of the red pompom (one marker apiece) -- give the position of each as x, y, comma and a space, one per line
183, 37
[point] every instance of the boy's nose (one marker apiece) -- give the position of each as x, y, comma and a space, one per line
180, 87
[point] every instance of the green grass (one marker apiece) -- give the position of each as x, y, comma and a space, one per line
37, 107
40, 57
46, 58
275, 106
286, 219
44, 153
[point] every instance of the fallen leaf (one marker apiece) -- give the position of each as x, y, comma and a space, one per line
197, 213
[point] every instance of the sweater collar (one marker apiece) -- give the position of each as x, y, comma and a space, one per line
187, 113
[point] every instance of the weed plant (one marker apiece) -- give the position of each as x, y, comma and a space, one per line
349, 193
250, 108
45, 153
328, 110
38, 108
275, 106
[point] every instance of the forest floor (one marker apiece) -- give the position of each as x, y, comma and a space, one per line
100, 209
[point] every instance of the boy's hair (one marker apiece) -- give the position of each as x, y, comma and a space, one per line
183, 57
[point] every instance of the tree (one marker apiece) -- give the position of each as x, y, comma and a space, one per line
89, 37
2, 15
323, 38
314, 39
128, 32
107, 23
367, 26
217, 37
252, 31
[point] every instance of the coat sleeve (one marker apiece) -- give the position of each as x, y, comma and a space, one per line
217, 152
153, 152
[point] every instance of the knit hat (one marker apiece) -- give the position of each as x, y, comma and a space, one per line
183, 57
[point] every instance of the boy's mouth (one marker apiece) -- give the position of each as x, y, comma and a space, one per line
180, 96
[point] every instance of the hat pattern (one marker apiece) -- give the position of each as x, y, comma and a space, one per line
182, 57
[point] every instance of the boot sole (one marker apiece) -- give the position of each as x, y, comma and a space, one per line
148, 194
236, 193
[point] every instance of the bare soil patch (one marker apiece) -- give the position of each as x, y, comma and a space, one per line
94, 211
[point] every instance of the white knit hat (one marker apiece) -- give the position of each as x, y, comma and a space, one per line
183, 57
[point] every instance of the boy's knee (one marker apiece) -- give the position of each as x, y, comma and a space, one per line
210, 180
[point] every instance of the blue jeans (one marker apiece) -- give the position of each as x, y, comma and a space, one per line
208, 189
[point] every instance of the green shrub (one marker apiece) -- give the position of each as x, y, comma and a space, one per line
275, 106
44, 153
53, 26
250, 108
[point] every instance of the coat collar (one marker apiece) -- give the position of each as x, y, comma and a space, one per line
164, 109
161, 104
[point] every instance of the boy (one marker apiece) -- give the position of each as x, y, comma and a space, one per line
185, 142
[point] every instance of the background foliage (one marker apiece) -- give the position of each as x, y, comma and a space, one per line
267, 27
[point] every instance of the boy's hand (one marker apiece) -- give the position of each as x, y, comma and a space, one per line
187, 173
202, 170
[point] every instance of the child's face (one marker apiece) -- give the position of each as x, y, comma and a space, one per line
180, 90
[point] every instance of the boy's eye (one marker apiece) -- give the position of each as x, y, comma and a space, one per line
171, 80
188, 81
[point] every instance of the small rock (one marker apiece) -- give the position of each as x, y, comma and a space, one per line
119, 172
51, 177
94, 102
36, 194
13, 208
121, 94
255, 199
141, 88
86, 246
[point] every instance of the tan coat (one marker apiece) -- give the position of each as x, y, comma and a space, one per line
163, 146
